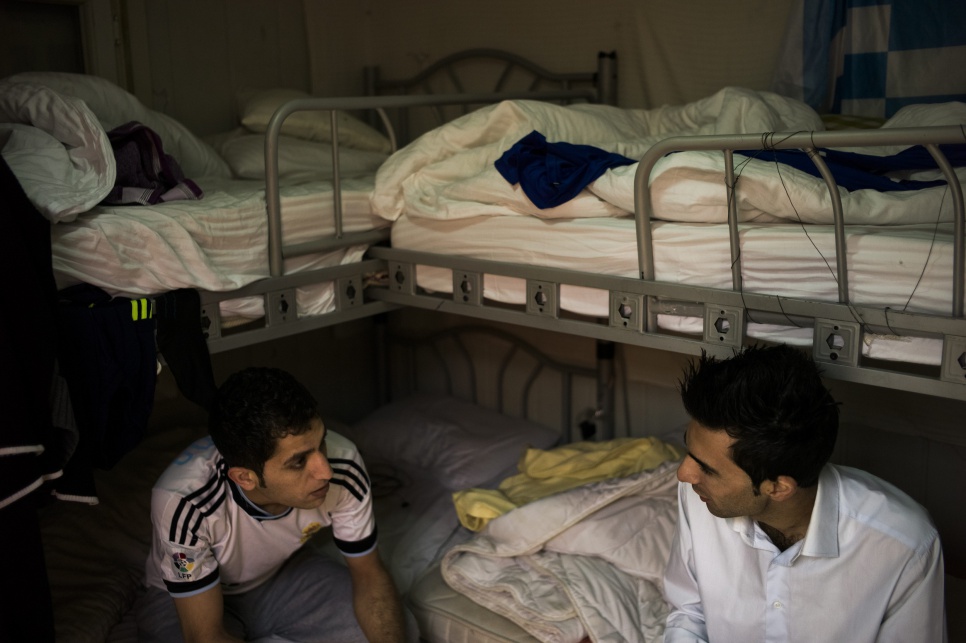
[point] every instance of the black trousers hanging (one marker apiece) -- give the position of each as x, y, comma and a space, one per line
27, 359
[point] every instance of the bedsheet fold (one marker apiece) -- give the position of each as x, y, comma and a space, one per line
585, 562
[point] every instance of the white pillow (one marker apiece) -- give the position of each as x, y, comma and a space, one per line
257, 111
114, 107
245, 154
459, 443
56, 148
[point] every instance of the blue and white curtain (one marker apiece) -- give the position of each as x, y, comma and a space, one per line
872, 57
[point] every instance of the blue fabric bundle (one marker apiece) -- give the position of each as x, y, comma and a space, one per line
551, 174
854, 171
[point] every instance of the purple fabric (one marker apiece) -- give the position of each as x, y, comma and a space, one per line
145, 174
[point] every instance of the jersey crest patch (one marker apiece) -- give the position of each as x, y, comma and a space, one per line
309, 530
183, 564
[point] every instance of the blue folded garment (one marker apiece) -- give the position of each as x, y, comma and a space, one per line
553, 173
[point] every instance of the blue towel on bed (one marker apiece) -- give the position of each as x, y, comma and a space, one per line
553, 173
854, 171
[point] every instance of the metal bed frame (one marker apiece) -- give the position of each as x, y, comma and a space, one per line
450, 362
352, 300
635, 303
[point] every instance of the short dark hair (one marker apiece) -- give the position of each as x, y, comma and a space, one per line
773, 402
253, 409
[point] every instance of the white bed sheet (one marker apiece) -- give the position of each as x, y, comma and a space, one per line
903, 267
219, 243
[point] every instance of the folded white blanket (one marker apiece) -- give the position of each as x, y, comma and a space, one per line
586, 562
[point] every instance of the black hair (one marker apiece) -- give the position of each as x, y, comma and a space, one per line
253, 409
773, 403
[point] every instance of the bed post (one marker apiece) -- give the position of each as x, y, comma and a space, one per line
607, 78
381, 342
604, 419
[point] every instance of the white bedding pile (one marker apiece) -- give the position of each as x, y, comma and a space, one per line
584, 562
58, 148
449, 172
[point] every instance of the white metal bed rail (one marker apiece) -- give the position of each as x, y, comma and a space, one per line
272, 195
929, 137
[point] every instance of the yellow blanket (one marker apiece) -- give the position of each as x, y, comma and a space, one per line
546, 472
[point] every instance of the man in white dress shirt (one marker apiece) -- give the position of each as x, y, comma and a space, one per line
774, 544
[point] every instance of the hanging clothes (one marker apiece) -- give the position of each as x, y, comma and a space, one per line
29, 443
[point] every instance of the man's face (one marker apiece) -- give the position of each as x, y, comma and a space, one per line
722, 485
297, 475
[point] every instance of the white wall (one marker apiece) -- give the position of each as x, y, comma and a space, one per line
708, 43
190, 58
202, 53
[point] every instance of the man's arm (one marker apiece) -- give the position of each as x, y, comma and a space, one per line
917, 612
685, 622
202, 617
377, 605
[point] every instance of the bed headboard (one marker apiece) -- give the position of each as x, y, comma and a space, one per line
486, 71
500, 371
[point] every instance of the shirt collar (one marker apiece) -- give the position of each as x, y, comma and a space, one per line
822, 537
250, 507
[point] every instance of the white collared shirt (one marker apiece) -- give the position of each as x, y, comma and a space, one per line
870, 569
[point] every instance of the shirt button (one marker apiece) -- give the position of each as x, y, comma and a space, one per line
777, 605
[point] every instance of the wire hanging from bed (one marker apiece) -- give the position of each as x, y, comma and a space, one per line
766, 145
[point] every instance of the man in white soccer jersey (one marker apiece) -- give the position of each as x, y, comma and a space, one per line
231, 515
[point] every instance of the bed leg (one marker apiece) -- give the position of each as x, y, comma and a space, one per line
380, 329
604, 418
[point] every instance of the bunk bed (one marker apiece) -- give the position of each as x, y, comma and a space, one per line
215, 235
303, 233
712, 229
632, 302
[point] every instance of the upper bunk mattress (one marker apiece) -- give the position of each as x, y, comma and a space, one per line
219, 243
902, 267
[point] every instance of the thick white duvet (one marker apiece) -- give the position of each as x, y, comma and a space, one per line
449, 173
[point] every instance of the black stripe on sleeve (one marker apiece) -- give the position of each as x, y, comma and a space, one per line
359, 495
188, 505
358, 546
351, 464
173, 532
176, 589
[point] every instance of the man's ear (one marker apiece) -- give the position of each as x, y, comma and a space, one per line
780, 489
244, 478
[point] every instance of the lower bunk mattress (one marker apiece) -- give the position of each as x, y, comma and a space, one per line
218, 243
902, 267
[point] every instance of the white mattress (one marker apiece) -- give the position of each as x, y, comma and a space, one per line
886, 265
219, 243
445, 616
